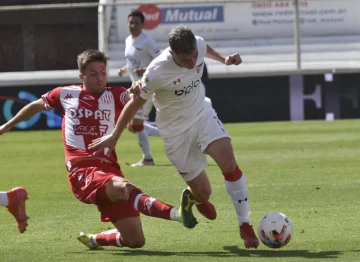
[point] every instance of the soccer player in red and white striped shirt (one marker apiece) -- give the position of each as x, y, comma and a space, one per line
90, 111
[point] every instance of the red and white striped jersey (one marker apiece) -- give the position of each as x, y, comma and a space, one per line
85, 117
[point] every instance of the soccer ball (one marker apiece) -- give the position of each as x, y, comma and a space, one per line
275, 230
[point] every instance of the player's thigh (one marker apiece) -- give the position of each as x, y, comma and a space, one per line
131, 231
222, 152
200, 187
215, 141
185, 154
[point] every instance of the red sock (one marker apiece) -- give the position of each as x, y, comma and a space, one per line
234, 175
110, 238
207, 209
148, 205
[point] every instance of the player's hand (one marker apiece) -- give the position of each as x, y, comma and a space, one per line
106, 143
135, 88
121, 71
139, 71
4, 129
234, 59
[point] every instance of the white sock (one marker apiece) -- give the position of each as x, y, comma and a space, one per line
174, 214
151, 130
4, 200
143, 140
238, 194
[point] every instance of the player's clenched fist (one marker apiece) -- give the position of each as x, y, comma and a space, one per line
135, 88
234, 59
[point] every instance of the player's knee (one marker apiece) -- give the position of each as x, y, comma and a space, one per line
227, 165
136, 242
203, 194
119, 188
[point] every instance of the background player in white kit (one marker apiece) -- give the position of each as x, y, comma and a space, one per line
140, 50
189, 124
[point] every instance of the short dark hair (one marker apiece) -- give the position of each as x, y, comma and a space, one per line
182, 40
138, 14
88, 56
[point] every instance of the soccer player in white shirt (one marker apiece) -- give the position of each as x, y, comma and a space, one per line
189, 124
140, 50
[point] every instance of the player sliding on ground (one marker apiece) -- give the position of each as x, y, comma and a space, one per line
188, 123
90, 111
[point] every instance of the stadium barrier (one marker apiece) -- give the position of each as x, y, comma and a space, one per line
269, 86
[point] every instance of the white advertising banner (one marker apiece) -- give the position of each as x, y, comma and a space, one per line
245, 20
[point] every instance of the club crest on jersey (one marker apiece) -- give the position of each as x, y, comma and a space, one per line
107, 99
198, 67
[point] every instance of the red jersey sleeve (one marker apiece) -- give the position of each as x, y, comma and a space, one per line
52, 99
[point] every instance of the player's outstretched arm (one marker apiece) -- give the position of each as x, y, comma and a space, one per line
25, 113
234, 59
123, 70
108, 142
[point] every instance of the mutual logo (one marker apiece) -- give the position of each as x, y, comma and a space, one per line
187, 89
89, 130
79, 113
155, 16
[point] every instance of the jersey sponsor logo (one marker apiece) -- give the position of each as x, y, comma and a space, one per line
154, 16
88, 98
79, 113
187, 89
134, 62
88, 130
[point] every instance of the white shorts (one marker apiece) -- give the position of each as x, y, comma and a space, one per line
144, 111
186, 150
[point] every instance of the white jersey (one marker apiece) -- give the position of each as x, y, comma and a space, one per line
179, 94
139, 52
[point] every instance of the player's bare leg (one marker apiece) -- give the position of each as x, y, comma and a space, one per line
137, 126
200, 191
222, 152
128, 232
14, 200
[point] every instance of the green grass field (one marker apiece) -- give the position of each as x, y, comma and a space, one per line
307, 170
